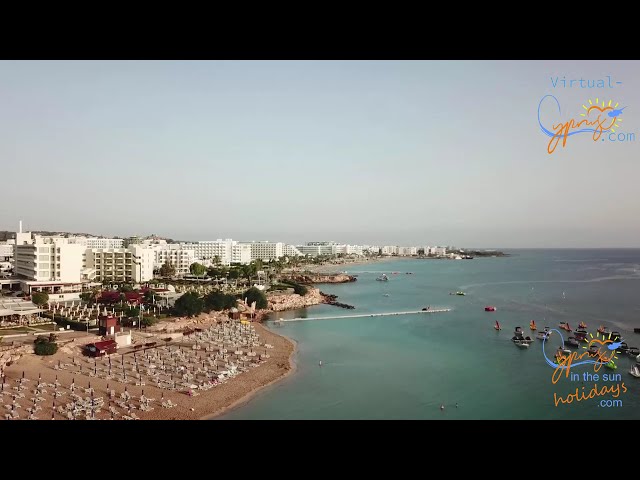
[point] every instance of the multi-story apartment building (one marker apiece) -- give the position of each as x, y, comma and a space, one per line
6, 250
389, 250
266, 250
241, 253
437, 251
291, 251
48, 259
181, 258
121, 265
407, 251
95, 242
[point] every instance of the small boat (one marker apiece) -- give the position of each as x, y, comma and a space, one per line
635, 371
593, 351
542, 336
521, 343
383, 278
582, 325
547, 330
603, 330
615, 336
409, 273
489, 309
532, 325
581, 336
386, 295
572, 342
611, 365
497, 326
622, 348
565, 326
457, 293
426, 309
633, 351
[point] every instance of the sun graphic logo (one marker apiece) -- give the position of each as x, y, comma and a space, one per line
604, 348
600, 117
612, 112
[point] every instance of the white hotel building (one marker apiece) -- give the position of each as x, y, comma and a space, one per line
121, 265
175, 254
228, 251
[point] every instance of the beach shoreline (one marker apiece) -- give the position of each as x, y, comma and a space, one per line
250, 395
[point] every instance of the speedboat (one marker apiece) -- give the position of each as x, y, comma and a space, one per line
633, 351
622, 348
565, 326
383, 278
532, 325
582, 325
542, 336
497, 326
572, 342
635, 371
521, 343
593, 351
489, 309
581, 335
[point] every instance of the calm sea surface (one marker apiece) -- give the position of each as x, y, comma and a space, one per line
405, 367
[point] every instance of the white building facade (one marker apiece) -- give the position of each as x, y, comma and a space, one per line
49, 259
266, 250
121, 265
175, 254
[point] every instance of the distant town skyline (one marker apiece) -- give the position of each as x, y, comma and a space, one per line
358, 152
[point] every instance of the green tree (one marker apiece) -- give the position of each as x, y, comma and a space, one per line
43, 346
189, 304
125, 287
197, 269
167, 270
255, 295
219, 301
39, 298
216, 260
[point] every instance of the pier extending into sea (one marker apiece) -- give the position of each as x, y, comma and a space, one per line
362, 315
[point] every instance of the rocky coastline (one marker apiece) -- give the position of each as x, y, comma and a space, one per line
311, 278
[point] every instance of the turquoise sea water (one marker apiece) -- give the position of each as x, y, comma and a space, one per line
405, 367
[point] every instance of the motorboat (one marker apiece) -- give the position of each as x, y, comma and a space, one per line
622, 348
582, 325
633, 351
572, 342
593, 351
542, 335
532, 325
581, 335
615, 336
565, 326
489, 309
635, 371
383, 278
521, 343
547, 330
409, 273
603, 330
386, 295
457, 293
497, 326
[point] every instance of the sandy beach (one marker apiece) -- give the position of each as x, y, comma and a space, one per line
345, 265
207, 404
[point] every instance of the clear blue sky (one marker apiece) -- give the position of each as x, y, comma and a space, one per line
361, 152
